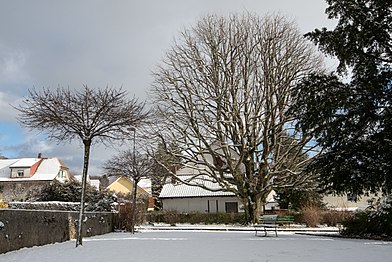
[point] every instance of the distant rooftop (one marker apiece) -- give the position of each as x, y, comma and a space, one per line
47, 170
180, 190
25, 162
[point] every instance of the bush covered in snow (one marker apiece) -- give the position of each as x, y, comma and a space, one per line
51, 205
371, 224
71, 192
99, 200
66, 192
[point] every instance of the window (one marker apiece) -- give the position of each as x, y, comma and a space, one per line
231, 207
352, 197
20, 173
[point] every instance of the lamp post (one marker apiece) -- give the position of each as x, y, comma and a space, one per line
134, 188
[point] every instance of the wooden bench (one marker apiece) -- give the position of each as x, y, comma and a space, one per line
285, 220
267, 223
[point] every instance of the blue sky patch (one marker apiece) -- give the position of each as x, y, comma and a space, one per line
10, 136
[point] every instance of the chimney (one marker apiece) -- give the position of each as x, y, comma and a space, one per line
39, 155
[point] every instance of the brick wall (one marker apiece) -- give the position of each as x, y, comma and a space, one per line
27, 228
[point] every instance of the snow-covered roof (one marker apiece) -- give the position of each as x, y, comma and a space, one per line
112, 179
95, 183
181, 190
5, 167
188, 171
47, 169
145, 183
25, 162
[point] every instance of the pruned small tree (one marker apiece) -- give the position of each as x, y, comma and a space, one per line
133, 165
222, 94
90, 115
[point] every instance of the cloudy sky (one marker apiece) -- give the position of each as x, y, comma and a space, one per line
51, 43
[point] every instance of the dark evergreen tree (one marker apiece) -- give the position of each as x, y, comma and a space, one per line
71, 192
162, 167
349, 111
296, 199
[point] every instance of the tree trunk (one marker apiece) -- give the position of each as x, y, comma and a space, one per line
254, 207
133, 210
79, 237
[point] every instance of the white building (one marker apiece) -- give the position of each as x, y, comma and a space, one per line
200, 193
186, 198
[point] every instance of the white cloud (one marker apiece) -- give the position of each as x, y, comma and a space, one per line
7, 112
48, 43
12, 66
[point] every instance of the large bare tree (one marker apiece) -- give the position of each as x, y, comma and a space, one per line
133, 165
222, 94
91, 115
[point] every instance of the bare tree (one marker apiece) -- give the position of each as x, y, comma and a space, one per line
102, 115
222, 94
134, 166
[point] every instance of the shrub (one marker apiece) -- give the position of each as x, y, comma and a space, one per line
3, 204
334, 218
125, 215
371, 224
98, 200
71, 192
311, 215
296, 199
66, 192
173, 217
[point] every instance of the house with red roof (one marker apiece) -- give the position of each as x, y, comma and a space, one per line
23, 178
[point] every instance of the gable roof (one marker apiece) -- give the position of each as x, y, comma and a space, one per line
181, 190
24, 162
116, 184
197, 174
47, 170
112, 179
5, 167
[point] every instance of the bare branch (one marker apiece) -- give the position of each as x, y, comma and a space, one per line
222, 94
105, 114
91, 115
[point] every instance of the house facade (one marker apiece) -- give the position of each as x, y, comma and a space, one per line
348, 202
186, 198
24, 177
196, 191
123, 185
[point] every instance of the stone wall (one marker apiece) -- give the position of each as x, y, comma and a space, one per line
20, 190
27, 228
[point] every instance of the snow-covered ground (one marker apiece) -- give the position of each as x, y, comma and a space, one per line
179, 246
